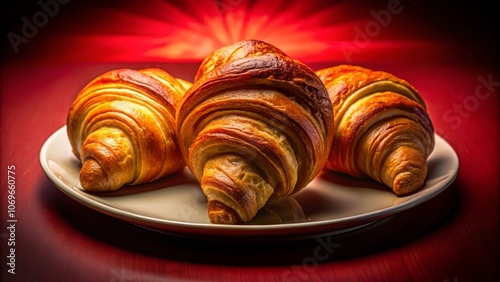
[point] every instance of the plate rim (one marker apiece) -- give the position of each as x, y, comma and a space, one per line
208, 229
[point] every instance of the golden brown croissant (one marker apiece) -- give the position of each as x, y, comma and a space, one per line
255, 127
122, 128
382, 129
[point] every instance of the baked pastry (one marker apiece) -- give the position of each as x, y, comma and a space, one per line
121, 127
382, 129
256, 126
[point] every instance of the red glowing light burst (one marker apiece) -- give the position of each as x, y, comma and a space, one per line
166, 31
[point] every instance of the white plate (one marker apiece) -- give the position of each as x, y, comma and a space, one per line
330, 204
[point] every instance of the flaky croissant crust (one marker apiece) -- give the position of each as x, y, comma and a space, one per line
382, 128
121, 127
252, 101
257, 65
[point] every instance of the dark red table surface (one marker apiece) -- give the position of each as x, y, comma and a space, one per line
447, 54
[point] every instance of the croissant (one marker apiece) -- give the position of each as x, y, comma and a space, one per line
256, 126
382, 129
121, 127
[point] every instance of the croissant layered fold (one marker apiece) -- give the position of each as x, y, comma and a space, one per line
121, 127
382, 129
256, 126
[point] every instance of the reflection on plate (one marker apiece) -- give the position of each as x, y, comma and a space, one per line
330, 204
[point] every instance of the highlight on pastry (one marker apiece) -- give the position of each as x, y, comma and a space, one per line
256, 126
121, 127
382, 128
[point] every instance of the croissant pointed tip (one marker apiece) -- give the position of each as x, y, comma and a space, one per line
93, 178
404, 170
222, 214
234, 188
409, 182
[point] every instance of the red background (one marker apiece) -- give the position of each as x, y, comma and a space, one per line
446, 50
